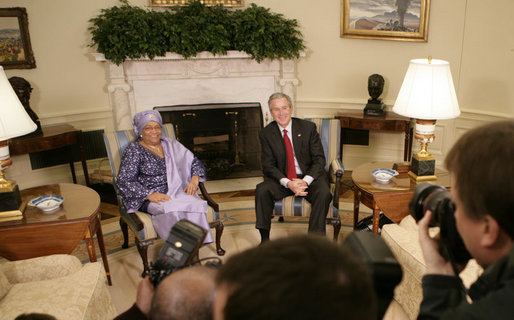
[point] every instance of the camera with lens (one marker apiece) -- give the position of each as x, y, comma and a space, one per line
437, 199
178, 251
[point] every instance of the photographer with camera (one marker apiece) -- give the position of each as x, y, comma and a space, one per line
482, 168
176, 288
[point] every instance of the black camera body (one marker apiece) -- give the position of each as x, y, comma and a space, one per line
429, 196
178, 250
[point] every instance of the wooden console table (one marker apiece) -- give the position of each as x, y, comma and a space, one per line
39, 234
355, 119
53, 137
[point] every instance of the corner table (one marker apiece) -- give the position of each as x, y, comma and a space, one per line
52, 137
391, 198
355, 119
40, 234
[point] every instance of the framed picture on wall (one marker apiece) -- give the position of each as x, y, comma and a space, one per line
404, 20
15, 48
209, 3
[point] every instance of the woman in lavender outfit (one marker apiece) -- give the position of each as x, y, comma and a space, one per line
160, 176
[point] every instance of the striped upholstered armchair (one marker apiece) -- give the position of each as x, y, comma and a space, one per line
139, 222
329, 130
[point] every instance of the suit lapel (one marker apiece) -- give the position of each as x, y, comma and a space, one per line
297, 138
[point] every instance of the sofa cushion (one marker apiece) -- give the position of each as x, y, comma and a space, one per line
81, 295
5, 285
40, 268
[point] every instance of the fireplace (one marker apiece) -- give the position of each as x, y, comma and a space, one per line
224, 136
192, 85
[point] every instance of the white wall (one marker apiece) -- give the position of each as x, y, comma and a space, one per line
474, 36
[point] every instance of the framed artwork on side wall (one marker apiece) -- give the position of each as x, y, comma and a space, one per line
403, 20
15, 48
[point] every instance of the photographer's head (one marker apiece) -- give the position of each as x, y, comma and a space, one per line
481, 163
185, 294
298, 277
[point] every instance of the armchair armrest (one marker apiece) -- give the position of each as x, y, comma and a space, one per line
41, 268
208, 198
336, 171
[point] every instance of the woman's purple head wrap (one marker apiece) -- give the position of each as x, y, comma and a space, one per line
143, 117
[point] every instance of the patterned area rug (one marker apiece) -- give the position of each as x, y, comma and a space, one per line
233, 214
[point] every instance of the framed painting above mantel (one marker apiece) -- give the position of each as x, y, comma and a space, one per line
403, 20
15, 48
209, 3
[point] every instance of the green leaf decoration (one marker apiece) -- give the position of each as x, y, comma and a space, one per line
129, 32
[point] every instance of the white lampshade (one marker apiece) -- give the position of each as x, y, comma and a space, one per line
427, 91
14, 120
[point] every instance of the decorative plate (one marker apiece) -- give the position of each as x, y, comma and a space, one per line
384, 175
48, 203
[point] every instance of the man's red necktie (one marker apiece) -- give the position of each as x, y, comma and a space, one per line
291, 170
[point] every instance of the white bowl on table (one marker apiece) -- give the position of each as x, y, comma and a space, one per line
384, 175
47, 203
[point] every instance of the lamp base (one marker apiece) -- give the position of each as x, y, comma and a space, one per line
422, 168
10, 200
417, 178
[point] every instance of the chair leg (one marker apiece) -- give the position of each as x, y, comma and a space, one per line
142, 247
336, 223
218, 225
124, 230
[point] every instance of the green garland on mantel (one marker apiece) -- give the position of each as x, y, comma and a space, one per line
129, 32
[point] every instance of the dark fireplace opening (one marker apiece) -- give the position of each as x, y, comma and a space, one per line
224, 136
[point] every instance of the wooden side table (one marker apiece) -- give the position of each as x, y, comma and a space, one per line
391, 198
355, 119
39, 234
53, 137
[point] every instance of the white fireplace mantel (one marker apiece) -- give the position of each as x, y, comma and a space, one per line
142, 84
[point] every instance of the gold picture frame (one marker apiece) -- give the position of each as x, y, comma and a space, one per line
209, 3
379, 19
15, 47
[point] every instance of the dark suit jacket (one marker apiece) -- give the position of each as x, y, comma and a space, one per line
307, 147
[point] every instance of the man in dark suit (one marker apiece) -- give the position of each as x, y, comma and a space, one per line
303, 175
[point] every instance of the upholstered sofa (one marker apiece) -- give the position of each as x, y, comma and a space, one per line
58, 285
403, 241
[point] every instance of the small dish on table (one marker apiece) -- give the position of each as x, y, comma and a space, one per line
47, 203
384, 175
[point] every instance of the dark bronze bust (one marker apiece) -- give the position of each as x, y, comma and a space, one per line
375, 107
23, 89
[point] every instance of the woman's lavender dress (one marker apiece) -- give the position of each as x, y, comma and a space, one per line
142, 173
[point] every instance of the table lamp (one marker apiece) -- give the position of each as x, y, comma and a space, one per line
427, 95
14, 122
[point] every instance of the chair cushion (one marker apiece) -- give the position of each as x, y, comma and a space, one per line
298, 207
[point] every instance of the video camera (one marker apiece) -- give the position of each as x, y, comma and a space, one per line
178, 251
429, 196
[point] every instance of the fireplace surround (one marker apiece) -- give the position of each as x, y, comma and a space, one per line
142, 84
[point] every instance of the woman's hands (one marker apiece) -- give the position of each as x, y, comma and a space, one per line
191, 188
193, 185
158, 197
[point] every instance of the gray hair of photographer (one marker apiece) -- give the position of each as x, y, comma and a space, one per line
297, 277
